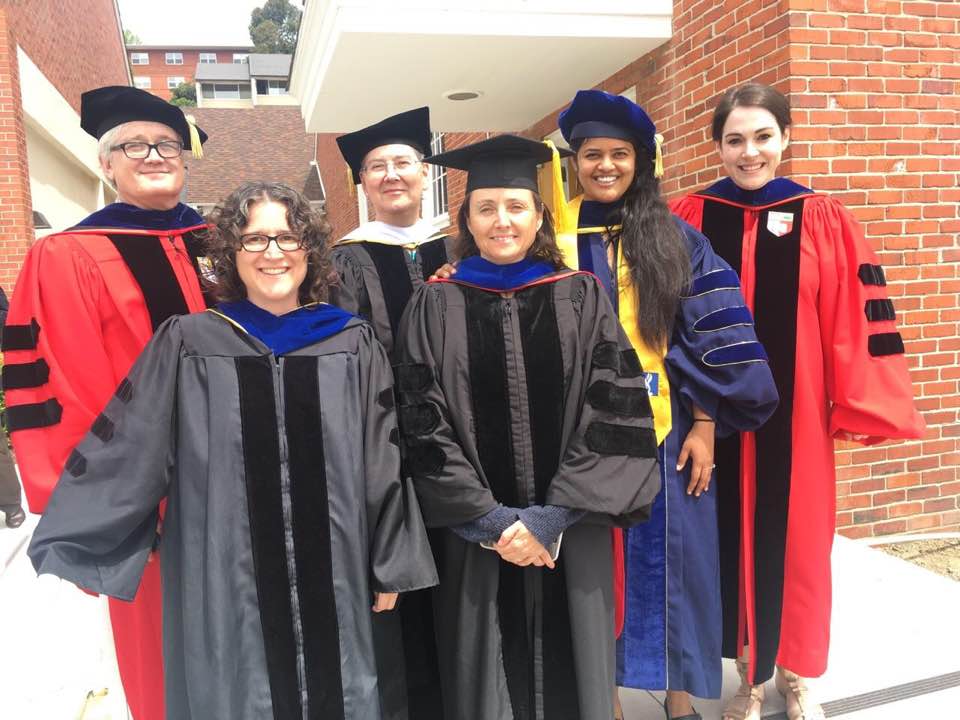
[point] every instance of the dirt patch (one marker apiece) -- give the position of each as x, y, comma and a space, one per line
940, 556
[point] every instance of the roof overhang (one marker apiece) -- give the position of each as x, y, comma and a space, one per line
359, 61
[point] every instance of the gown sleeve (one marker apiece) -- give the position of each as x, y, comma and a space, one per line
56, 369
868, 384
610, 464
450, 490
350, 292
714, 359
400, 555
101, 522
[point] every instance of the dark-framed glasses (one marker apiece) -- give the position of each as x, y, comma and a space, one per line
257, 242
400, 165
138, 150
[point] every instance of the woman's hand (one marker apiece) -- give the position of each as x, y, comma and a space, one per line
444, 272
519, 546
698, 449
384, 601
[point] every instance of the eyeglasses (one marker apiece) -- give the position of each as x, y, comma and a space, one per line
286, 242
138, 150
401, 166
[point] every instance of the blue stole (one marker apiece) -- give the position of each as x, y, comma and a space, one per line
288, 332
483, 274
122, 215
776, 191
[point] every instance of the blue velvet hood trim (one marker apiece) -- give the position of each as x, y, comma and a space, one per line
291, 331
477, 272
130, 217
777, 190
598, 214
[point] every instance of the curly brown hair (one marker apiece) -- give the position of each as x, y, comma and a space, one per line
544, 244
228, 219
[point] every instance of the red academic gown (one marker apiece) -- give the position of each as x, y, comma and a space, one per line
818, 296
86, 302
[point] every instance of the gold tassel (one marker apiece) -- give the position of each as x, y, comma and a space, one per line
564, 220
195, 147
658, 162
351, 187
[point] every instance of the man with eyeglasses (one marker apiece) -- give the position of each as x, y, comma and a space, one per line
86, 302
383, 261
380, 264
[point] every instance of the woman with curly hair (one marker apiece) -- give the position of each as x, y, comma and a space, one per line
706, 374
266, 426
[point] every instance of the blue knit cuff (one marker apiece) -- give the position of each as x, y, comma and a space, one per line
487, 528
546, 522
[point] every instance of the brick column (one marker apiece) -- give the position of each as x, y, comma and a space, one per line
16, 217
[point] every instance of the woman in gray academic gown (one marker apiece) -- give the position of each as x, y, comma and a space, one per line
528, 433
267, 425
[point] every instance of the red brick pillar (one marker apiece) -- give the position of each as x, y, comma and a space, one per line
16, 217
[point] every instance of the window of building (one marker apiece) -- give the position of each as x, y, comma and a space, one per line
206, 58
174, 58
139, 58
271, 87
225, 91
239, 58
141, 82
173, 81
435, 200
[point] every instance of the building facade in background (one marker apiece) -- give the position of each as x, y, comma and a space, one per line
261, 80
873, 84
158, 69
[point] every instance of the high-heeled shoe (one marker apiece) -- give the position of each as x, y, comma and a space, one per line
800, 704
747, 704
692, 716
15, 515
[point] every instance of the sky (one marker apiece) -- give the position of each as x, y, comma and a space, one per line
190, 22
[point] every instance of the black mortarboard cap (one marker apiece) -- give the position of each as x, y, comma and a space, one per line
504, 161
407, 128
106, 107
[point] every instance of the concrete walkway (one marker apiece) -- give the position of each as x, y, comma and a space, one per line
895, 625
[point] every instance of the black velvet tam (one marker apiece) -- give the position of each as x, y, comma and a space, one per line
106, 107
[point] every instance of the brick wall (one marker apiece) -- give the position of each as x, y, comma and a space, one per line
16, 225
874, 83
158, 71
77, 44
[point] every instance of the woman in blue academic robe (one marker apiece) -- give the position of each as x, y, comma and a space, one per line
682, 308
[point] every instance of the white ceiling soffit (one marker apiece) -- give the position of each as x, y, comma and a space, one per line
359, 61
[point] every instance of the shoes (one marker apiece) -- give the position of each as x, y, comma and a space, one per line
800, 705
15, 515
747, 704
692, 716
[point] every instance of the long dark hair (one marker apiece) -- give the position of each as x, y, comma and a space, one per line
654, 251
544, 244
751, 94
228, 219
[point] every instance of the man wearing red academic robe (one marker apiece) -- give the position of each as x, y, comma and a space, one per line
86, 302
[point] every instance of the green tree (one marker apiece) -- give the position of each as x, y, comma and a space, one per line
131, 38
184, 95
273, 27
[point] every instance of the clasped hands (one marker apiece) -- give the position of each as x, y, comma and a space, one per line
519, 546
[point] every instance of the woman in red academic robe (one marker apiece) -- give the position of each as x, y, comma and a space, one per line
818, 296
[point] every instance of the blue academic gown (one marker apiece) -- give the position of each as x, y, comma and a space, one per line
672, 630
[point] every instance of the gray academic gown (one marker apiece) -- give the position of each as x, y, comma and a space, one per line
530, 400
377, 279
285, 512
